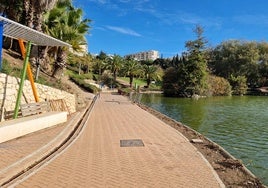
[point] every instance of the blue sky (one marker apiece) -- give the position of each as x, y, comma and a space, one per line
128, 26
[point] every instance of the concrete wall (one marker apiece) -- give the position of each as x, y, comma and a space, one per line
19, 127
9, 88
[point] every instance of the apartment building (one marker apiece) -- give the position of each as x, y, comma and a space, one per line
146, 55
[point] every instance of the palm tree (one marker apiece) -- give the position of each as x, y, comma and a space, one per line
98, 65
12, 9
114, 64
132, 68
34, 10
65, 22
88, 62
152, 72
40, 7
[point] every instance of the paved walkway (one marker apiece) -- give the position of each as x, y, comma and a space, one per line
96, 159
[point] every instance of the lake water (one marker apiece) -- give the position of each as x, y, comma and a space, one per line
238, 124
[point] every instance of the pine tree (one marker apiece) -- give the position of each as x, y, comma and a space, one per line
194, 69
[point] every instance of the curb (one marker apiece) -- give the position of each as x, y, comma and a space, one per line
17, 168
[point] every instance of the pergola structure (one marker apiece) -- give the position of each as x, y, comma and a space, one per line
22, 33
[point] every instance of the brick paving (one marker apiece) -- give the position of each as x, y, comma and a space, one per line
96, 159
18, 154
14, 150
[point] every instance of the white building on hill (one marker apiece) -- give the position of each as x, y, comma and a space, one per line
146, 55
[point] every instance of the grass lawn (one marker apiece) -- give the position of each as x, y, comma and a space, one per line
139, 82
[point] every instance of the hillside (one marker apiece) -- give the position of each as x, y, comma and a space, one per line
83, 97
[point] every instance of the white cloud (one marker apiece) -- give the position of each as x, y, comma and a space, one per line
99, 28
124, 31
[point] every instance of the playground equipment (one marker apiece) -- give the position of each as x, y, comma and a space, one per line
22, 33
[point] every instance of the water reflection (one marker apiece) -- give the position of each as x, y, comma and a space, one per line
178, 108
239, 124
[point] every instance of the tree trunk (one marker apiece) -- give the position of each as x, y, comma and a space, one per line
148, 81
130, 80
57, 72
114, 75
38, 9
60, 63
28, 6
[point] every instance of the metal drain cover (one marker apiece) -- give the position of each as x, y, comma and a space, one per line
131, 143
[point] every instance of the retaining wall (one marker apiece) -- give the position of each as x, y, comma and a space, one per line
9, 88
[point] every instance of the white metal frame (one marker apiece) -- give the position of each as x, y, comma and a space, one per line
18, 31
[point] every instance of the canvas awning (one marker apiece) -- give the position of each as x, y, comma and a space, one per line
18, 31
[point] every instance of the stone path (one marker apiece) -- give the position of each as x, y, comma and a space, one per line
96, 159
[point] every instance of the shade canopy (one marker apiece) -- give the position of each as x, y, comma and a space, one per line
18, 31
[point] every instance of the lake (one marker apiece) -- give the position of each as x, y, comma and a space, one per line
238, 124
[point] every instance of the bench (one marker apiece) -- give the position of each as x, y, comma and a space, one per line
34, 117
10, 114
29, 109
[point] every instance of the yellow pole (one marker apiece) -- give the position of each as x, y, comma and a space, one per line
29, 72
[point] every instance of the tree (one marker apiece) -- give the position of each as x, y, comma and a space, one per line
88, 63
65, 22
12, 9
98, 66
236, 58
190, 71
114, 64
263, 64
219, 86
102, 56
163, 63
131, 68
195, 69
239, 84
151, 72
170, 82
34, 10
99, 63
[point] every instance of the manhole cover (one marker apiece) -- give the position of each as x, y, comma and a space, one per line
131, 143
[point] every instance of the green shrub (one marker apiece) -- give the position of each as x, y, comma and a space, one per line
170, 82
239, 85
219, 86
74, 69
78, 79
88, 76
7, 69
106, 79
96, 77
124, 91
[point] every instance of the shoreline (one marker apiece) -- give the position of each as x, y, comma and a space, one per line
231, 171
